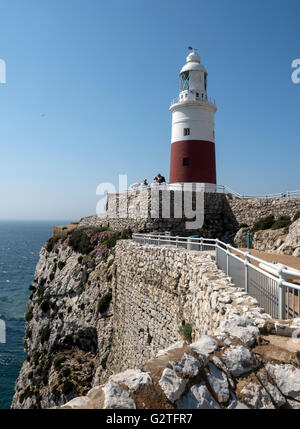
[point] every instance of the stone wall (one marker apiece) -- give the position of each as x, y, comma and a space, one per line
250, 210
135, 211
157, 288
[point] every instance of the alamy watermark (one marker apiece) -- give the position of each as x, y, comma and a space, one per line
163, 201
2, 71
296, 72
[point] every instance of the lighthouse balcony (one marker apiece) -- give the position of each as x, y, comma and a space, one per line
194, 97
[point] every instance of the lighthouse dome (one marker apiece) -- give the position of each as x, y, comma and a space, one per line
193, 63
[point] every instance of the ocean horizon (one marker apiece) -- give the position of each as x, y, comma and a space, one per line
20, 244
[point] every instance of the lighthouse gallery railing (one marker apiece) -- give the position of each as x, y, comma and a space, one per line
277, 296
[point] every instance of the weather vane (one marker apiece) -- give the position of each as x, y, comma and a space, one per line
192, 49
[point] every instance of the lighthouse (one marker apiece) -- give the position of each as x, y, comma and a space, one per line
193, 133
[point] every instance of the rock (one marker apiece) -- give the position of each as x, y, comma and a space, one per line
240, 239
293, 404
291, 244
117, 398
132, 378
256, 396
198, 397
269, 239
242, 328
287, 378
275, 394
187, 365
239, 360
81, 402
218, 382
205, 345
172, 385
237, 405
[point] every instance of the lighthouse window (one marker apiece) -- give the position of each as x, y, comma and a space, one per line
184, 81
205, 81
186, 161
186, 131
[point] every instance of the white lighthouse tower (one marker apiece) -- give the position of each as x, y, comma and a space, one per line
193, 135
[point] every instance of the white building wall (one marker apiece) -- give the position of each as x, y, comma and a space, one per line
199, 119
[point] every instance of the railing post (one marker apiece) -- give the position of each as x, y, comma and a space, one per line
247, 271
201, 244
216, 248
281, 294
176, 240
227, 259
158, 240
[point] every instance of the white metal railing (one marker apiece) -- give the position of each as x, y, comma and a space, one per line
186, 98
277, 296
210, 187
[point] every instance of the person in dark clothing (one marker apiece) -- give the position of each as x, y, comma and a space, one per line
161, 178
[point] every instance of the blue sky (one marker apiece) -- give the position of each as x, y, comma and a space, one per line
104, 72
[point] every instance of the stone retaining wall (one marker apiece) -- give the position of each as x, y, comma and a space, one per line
157, 288
250, 210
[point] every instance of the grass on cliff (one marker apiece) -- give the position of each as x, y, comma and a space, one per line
185, 331
269, 222
88, 240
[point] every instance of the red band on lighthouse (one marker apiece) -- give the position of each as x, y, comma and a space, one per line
193, 161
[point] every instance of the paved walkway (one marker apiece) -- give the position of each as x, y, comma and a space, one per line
291, 261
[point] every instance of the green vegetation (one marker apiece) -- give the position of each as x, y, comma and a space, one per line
296, 217
104, 302
45, 334
61, 264
243, 225
67, 387
66, 372
26, 394
51, 243
80, 258
58, 362
282, 222
45, 305
186, 331
28, 316
52, 275
263, 223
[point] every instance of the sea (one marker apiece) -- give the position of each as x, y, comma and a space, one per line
20, 244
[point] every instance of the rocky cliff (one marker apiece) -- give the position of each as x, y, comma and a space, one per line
69, 319
101, 304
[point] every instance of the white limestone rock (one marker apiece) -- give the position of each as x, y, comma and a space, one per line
204, 345
172, 385
198, 397
242, 328
238, 360
187, 365
218, 382
287, 378
132, 378
275, 393
117, 398
81, 402
256, 396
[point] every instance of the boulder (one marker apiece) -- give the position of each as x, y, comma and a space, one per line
240, 239
172, 385
198, 397
287, 378
291, 245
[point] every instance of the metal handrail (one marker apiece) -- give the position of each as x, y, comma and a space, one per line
219, 189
